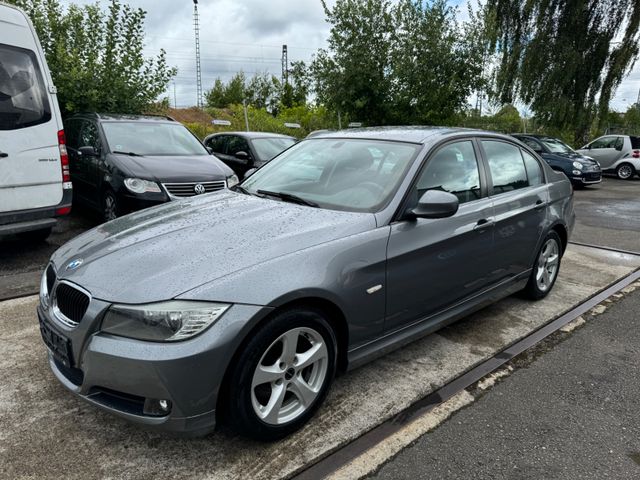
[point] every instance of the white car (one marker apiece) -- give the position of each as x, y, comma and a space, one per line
35, 186
619, 154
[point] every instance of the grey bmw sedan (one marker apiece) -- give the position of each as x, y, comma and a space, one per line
243, 304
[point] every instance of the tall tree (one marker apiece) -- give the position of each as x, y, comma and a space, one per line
96, 56
565, 58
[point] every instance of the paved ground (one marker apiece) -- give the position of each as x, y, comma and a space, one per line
570, 413
42, 422
608, 214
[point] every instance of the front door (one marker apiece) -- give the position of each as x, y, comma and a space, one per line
435, 263
87, 166
605, 150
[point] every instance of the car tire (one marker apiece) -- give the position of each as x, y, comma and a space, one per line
110, 206
625, 171
545, 268
37, 236
270, 393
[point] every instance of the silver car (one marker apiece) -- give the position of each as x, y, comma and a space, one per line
619, 154
243, 304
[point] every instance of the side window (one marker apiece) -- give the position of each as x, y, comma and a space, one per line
533, 144
604, 142
72, 133
619, 143
506, 166
534, 170
89, 136
453, 169
217, 144
24, 101
237, 144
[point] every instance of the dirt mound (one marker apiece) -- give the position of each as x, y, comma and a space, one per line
190, 115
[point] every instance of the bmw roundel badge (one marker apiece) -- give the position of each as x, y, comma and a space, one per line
74, 264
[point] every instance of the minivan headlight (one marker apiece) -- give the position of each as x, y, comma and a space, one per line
162, 322
232, 181
578, 165
138, 185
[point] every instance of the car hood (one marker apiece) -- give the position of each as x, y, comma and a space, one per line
575, 157
186, 168
162, 252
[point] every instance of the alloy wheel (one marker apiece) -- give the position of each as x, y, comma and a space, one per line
110, 207
625, 172
289, 376
547, 265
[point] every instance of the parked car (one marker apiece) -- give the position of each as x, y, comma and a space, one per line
580, 169
243, 151
34, 172
124, 163
619, 154
400, 232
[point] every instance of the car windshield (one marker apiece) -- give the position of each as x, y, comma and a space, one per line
340, 174
267, 148
556, 146
151, 138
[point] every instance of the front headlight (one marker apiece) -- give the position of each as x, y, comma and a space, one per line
138, 185
578, 165
232, 181
162, 322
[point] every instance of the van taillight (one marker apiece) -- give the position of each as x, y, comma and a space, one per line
636, 154
64, 161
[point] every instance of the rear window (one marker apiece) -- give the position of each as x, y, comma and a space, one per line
635, 143
23, 96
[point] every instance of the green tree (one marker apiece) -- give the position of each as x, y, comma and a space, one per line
96, 56
560, 58
216, 97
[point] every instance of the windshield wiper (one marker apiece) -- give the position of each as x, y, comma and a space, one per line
241, 189
289, 197
131, 154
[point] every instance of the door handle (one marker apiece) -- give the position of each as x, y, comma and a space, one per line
540, 204
3, 155
484, 223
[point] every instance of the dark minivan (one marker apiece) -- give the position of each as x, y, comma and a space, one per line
123, 163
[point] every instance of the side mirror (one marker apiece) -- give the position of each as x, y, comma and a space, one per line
249, 172
244, 156
88, 151
436, 204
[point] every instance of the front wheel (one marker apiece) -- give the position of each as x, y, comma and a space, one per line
545, 269
625, 171
282, 375
110, 206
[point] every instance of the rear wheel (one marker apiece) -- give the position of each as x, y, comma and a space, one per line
546, 268
282, 375
110, 206
625, 171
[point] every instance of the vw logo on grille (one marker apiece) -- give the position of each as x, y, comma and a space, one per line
199, 189
74, 264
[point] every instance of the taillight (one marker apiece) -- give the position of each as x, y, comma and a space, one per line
636, 154
63, 211
64, 160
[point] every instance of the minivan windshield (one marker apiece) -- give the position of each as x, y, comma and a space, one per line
341, 174
556, 146
151, 138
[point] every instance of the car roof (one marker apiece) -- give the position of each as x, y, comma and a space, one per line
411, 134
116, 117
253, 135
535, 135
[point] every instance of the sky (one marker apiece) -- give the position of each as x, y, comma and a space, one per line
248, 35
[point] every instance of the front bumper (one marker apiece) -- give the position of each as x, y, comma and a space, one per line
119, 374
587, 178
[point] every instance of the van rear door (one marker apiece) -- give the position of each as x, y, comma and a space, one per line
30, 170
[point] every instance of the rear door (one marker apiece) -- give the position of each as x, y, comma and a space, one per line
30, 171
520, 199
87, 167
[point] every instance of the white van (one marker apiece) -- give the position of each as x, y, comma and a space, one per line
34, 168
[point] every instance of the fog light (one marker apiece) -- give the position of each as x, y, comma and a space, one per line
157, 407
577, 172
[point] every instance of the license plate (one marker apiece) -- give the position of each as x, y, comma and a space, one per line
59, 345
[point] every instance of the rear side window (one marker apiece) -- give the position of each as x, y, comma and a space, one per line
534, 171
635, 143
506, 166
23, 96
72, 133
